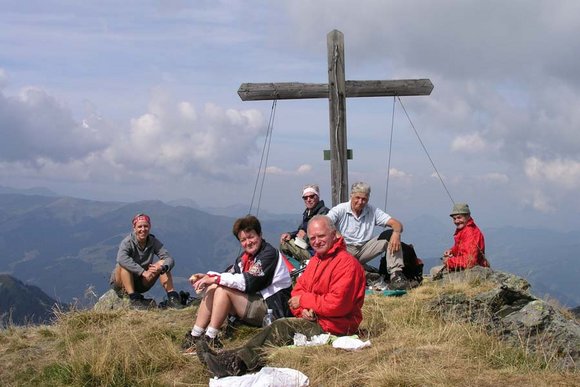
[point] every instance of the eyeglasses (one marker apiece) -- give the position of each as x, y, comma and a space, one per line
306, 197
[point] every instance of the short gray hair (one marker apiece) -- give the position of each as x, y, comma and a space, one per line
326, 220
313, 186
361, 187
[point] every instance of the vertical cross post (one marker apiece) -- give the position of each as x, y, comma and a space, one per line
337, 113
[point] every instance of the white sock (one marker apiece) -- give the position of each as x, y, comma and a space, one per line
212, 332
197, 331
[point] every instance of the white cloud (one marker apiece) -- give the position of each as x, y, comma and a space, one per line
471, 143
276, 171
396, 173
171, 138
301, 170
36, 125
304, 169
558, 172
540, 202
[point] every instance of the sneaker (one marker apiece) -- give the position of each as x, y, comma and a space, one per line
222, 364
399, 281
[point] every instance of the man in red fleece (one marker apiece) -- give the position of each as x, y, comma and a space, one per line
469, 248
327, 297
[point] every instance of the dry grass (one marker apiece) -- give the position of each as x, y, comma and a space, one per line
410, 347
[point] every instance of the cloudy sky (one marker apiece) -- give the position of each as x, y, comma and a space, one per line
138, 100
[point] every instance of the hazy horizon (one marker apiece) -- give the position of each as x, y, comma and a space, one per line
138, 100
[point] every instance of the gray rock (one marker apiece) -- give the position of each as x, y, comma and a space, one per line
510, 312
110, 300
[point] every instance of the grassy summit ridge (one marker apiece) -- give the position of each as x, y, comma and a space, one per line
410, 347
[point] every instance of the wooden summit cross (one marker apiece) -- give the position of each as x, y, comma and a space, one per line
336, 90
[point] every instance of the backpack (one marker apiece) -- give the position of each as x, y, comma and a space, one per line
413, 269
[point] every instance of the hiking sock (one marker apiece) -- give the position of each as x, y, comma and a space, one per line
211, 332
197, 331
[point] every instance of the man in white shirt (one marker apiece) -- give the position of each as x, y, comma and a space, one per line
356, 220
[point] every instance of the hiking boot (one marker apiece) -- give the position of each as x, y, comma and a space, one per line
191, 344
188, 343
214, 342
142, 303
399, 281
174, 302
222, 364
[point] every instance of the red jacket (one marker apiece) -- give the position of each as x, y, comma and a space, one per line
333, 286
469, 248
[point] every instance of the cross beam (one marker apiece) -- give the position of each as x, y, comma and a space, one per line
336, 90
297, 90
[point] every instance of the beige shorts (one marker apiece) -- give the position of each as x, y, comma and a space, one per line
255, 310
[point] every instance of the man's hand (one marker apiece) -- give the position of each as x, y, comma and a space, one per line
301, 234
446, 255
395, 242
294, 302
308, 314
156, 268
149, 275
285, 237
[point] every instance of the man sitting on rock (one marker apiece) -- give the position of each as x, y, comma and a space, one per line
136, 272
328, 297
356, 221
295, 244
469, 248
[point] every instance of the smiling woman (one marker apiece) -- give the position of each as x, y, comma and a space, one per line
136, 271
259, 280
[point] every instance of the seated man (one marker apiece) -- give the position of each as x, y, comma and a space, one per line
328, 297
314, 206
259, 281
136, 273
356, 220
469, 248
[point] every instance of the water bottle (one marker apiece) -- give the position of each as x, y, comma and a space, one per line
268, 318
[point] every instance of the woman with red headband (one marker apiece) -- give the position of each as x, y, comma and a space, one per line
136, 272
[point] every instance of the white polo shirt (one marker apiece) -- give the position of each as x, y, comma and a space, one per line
357, 230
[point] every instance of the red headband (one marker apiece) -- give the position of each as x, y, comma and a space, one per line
141, 217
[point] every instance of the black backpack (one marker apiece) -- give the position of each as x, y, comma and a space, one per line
413, 269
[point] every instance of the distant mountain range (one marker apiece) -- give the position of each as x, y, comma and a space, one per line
67, 246
22, 304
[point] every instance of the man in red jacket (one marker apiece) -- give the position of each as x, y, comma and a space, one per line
469, 248
327, 297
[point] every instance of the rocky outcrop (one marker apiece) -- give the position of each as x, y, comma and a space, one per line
511, 312
110, 300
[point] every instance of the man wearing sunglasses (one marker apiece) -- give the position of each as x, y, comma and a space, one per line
295, 243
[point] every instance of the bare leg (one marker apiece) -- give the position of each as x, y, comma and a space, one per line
124, 279
205, 307
167, 282
225, 301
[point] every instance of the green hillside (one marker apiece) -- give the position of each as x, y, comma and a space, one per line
411, 346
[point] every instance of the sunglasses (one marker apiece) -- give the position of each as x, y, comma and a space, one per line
308, 197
